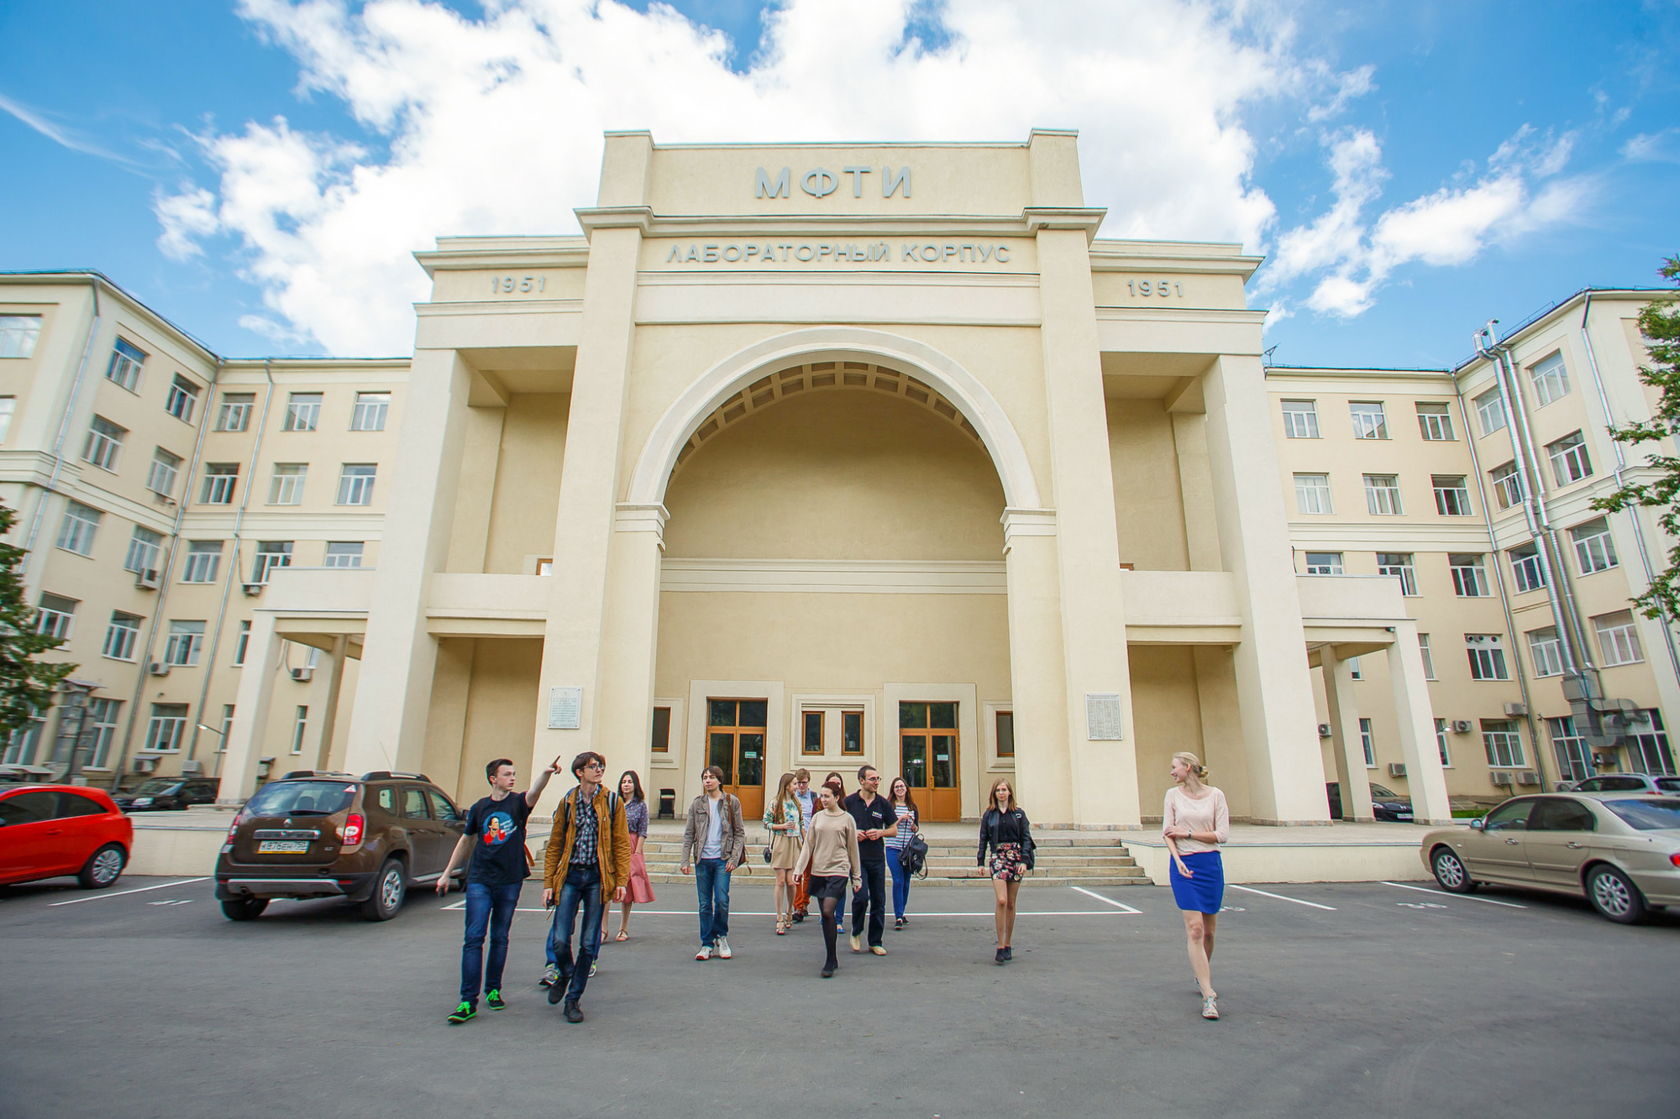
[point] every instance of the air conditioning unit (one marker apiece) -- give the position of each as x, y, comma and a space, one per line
1461, 726
147, 580
145, 765
1516, 709
1528, 778
303, 675
1397, 769
192, 767
1604, 761
158, 668
252, 589
1324, 730
1501, 777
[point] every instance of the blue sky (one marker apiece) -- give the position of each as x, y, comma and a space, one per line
258, 170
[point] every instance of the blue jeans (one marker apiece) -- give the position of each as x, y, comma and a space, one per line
583, 884
901, 882
488, 908
711, 879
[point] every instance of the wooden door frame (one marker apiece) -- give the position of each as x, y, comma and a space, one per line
696, 745
970, 765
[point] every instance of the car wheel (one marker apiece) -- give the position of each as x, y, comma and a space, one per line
388, 892
244, 909
103, 867
1614, 896
1450, 872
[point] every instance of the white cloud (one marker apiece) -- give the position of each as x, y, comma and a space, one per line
1654, 147
185, 217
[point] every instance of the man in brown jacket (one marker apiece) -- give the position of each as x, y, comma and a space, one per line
588, 861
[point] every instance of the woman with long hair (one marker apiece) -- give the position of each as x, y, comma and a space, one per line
785, 821
1195, 820
1007, 835
830, 858
908, 817
638, 891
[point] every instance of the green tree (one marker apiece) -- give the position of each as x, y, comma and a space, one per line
1659, 322
26, 684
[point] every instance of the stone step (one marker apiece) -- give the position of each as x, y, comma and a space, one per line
1038, 878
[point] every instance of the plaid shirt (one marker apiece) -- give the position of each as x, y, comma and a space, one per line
583, 847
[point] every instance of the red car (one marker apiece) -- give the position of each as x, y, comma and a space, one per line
51, 830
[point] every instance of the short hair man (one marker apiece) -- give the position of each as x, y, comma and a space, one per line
808, 804
875, 820
587, 861
714, 843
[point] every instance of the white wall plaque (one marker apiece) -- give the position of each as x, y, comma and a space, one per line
1104, 718
565, 708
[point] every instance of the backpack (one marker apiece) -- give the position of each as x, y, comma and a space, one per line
613, 807
913, 855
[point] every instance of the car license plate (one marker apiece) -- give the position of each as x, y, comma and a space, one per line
1402, 815
283, 847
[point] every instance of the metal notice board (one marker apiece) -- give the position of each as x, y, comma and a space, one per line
565, 708
1104, 717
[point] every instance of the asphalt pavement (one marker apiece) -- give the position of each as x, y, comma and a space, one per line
1348, 999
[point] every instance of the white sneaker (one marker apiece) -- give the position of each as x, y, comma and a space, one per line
723, 948
705, 952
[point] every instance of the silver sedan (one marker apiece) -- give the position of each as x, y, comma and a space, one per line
1620, 851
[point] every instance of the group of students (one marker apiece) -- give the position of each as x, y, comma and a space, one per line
820, 844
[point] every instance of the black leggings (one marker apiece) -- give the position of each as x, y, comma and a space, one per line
831, 929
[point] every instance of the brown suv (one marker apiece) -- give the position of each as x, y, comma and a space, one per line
313, 834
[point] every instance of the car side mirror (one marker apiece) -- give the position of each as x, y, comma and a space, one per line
1478, 825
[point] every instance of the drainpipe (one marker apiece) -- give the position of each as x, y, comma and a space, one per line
64, 425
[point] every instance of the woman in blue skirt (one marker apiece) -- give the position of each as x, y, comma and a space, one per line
1196, 820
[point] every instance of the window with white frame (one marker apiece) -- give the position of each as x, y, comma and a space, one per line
300, 726
227, 728
1468, 575
8, 405
1526, 565
77, 530
303, 412
186, 641
1503, 743
1487, 656
1490, 411
18, 334
1368, 741
145, 549
242, 643
1368, 419
1324, 563
355, 483
1551, 379
1354, 670
1569, 459
1435, 421
369, 414
126, 360
1452, 497
1441, 743
343, 553
286, 488
271, 555
121, 635
25, 740
102, 720
1312, 493
1300, 419
183, 399
166, 729
1507, 485
56, 617
1382, 495
104, 443
162, 474
1428, 656
1573, 755
1647, 748
1618, 638
235, 412
220, 480
1594, 550
204, 561
1399, 565
1546, 651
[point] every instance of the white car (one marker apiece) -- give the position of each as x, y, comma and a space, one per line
1626, 783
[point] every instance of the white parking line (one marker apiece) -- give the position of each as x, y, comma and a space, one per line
1119, 911
1461, 897
136, 890
1118, 905
1280, 897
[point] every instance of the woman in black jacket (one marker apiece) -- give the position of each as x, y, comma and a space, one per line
1004, 831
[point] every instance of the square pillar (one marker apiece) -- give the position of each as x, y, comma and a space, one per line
1416, 718
1037, 677
1346, 744
323, 697
630, 640
250, 712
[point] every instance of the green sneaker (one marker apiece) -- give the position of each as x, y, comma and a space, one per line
466, 1012
494, 1000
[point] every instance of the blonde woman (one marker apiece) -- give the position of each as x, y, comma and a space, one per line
1006, 833
1195, 820
785, 821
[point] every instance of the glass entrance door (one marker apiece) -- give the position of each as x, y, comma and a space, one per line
927, 736
735, 731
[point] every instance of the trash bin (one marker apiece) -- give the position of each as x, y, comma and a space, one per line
667, 804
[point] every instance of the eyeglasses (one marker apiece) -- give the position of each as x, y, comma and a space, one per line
594, 765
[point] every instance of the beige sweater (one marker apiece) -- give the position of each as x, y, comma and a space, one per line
1209, 813
831, 847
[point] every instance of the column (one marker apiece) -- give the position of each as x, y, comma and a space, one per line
630, 639
1416, 717
1348, 747
1037, 675
323, 697
1285, 769
250, 711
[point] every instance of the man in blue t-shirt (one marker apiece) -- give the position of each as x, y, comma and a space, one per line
498, 869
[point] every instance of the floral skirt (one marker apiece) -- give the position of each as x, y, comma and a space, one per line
1006, 863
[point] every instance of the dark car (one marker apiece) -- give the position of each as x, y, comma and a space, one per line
52, 830
169, 794
313, 834
1386, 804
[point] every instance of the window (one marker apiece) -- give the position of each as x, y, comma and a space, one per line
545, 567
300, 724
1441, 743
1545, 651
303, 412
661, 730
76, 532
1526, 566
235, 413
1005, 734
271, 554
1569, 459
25, 740
811, 741
369, 414
220, 478
1490, 411
1428, 656
1324, 563
1452, 499
1399, 564
186, 639
165, 468
1312, 493
8, 405
1551, 379
126, 361
1468, 575
1354, 670
1369, 743
242, 643
145, 548
343, 553
168, 725
1647, 749
851, 732
104, 443
1574, 757
102, 719
1436, 422
56, 616
1487, 656
183, 398
1594, 550
1503, 743
1368, 420
204, 560
1300, 419
1382, 495
227, 728
355, 483
18, 334
1507, 485
287, 486
1618, 638
121, 635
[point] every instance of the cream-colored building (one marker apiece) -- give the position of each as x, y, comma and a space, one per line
801, 456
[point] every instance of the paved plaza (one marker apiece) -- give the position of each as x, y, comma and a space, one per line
1340, 1000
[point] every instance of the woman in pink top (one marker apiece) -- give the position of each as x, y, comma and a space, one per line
1195, 821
